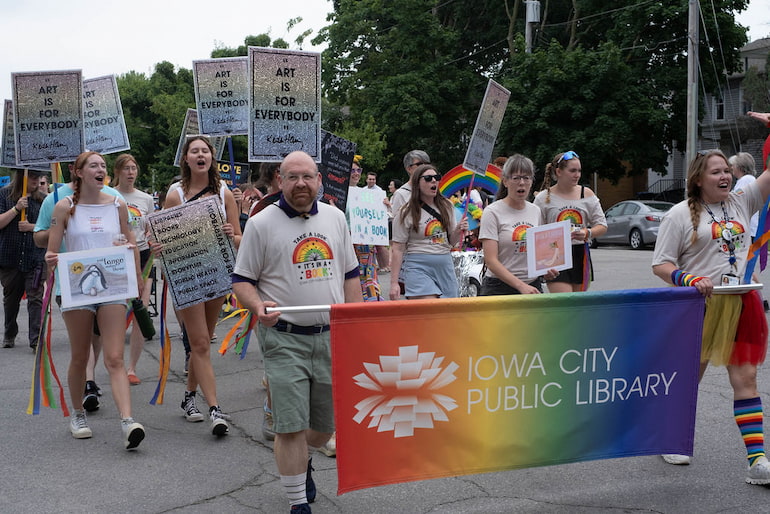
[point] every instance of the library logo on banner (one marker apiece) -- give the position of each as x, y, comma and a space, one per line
406, 387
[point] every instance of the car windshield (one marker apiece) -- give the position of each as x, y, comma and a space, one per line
662, 206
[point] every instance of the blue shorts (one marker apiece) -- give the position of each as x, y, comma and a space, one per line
429, 274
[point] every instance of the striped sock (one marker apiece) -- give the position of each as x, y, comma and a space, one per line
748, 416
294, 485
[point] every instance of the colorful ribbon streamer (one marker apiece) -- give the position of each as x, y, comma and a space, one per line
40, 390
165, 351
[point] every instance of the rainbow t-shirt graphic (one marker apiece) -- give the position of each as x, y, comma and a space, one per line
435, 231
571, 215
313, 257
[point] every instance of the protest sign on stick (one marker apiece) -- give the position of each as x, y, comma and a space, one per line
284, 103
104, 122
48, 116
222, 96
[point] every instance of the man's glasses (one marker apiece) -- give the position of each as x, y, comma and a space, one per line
431, 178
520, 178
566, 156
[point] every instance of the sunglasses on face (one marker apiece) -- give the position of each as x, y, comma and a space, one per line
566, 156
418, 163
431, 178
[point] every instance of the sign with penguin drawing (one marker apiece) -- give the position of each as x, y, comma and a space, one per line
97, 276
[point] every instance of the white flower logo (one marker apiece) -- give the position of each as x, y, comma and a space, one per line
407, 383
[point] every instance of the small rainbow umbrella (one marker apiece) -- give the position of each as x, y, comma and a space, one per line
460, 178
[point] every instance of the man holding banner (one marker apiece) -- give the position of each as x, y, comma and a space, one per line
297, 251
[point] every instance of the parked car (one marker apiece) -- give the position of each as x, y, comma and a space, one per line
633, 222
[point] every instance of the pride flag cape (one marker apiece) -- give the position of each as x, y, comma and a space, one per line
439, 388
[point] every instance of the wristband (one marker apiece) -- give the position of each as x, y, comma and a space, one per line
682, 278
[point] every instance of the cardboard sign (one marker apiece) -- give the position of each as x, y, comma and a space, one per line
48, 116
284, 103
97, 275
241, 169
197, 257
190, 128
336, 160
368, 216
487, 126
104, 122
222, 95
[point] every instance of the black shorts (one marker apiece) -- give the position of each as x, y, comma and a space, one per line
574, 275
493, 286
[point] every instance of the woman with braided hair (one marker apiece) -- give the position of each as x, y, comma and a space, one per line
90, 218
704, 241
567, 200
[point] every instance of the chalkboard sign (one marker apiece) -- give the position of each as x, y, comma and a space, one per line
336, 160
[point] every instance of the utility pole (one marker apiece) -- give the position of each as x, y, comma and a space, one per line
692, 83
532, 17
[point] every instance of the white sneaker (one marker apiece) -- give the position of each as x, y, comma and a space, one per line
133, 432
330, 448
79, 425
676, 459
759, 472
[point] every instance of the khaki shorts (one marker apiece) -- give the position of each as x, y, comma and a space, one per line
299, 372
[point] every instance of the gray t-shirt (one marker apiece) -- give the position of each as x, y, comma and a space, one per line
508, 226
430, 237
709, 255
581, 213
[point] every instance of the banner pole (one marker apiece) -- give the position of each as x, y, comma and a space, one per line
300, 308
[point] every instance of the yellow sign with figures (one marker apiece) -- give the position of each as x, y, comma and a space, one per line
76, 268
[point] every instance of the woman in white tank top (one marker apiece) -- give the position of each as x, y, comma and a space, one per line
199, 174
93, 219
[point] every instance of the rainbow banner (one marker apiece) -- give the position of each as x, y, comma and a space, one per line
441, 388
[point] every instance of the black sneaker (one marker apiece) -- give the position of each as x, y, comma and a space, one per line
302, 508
91, 397
310, 490
219, 426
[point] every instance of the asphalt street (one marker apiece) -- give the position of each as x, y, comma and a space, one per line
180, 467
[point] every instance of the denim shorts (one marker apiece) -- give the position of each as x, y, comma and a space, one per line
299, 371
93, 306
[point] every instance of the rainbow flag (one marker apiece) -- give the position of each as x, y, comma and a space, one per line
438, 388
460, 178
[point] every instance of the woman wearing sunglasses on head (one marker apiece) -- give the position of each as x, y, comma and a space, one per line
567, 200
424, 232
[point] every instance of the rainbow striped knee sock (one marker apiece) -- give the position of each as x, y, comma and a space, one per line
748, 416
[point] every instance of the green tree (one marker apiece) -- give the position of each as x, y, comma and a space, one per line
418, 67
609, 119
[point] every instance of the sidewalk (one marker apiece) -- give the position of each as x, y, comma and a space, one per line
180, 467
